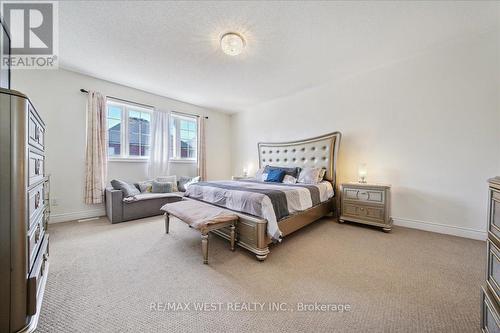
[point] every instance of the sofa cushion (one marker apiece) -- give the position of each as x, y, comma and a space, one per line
149, 196
162, 187
145, 186
169, 179
127, 189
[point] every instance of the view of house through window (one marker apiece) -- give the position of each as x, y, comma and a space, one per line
183, 137
128, 130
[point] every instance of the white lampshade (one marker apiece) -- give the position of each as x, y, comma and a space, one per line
232, 44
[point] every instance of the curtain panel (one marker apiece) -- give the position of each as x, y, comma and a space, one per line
158, 164
96, 147
202, 163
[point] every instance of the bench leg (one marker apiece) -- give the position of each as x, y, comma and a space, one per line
204, 247
167, 223
233, 236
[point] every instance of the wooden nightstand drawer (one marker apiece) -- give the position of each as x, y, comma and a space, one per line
364, 212
365, 195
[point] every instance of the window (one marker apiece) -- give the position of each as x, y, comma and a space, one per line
183, 137
128, 130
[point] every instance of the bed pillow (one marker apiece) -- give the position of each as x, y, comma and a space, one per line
275, 176
263, 177
162, 187
321, 175
127, 189
309, 175
145, 186
289, 180
169, 179
294, 172
259, 173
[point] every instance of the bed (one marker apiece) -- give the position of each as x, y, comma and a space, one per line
263, 221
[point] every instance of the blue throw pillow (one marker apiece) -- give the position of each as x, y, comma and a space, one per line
275, 176
294, 172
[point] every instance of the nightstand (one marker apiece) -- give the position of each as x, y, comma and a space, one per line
366, 203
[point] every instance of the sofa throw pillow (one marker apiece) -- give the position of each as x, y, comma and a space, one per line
145, 186
169, 179
127, 189
275, 176
192, 181
294, 172
309, 175
162, 187
184, 182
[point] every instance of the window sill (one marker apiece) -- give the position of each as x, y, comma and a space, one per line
128, 160
145, 160
173, 160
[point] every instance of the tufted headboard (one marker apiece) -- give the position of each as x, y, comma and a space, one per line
319, 152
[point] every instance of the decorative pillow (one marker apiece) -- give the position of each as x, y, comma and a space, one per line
289, 180
169, 179
321, 175
127, 189
294, 172
145, 186
309, 175
263, 177
184, 182
275, 176
162, 187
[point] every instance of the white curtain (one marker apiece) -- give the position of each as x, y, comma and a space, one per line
158, 158
202, 163
95, 152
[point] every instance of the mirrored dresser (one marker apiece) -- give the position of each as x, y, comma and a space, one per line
24, 242
490, 300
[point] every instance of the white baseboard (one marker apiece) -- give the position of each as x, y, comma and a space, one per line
56, 218
441, 228
408, 223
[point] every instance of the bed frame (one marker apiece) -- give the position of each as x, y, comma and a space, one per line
318, 152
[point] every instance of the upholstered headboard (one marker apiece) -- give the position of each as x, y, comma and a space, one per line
319, 152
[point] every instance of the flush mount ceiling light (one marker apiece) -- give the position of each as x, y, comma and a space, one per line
232, 43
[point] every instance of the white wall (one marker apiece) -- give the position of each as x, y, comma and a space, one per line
57, 97
429, 125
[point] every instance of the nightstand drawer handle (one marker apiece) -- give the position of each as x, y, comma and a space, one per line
363, 195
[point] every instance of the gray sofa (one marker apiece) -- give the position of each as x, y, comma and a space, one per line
144, 205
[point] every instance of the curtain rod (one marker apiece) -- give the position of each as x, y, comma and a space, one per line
144, 105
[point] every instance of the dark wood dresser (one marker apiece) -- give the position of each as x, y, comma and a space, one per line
490, 303
24, 243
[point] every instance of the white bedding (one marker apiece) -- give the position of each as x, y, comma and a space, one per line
271, 201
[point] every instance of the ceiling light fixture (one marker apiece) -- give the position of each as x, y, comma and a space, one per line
232, 43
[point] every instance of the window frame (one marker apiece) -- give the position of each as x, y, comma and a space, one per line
125, 108
176, 146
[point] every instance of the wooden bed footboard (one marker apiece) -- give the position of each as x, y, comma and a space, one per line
251, 231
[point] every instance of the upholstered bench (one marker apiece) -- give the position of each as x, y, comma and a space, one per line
202, 217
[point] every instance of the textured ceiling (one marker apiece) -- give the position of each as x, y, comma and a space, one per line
171, 48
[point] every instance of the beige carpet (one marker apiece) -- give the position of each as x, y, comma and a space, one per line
104, 278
